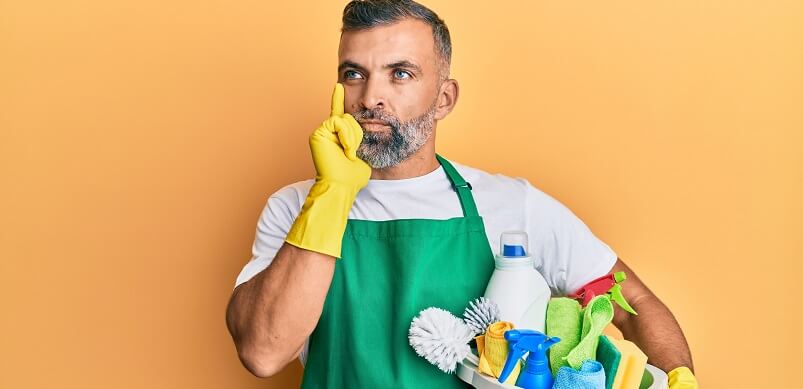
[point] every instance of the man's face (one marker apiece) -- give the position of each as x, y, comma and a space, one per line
391, 79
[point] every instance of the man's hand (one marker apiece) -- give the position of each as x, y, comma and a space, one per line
340, 176
334, 147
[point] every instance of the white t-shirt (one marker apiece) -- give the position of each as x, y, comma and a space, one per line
565, 251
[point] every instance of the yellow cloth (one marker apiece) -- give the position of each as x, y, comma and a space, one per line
631, 366
340, 175
682, 378
493, 350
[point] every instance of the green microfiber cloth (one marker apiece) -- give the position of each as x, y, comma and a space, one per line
564, 320
609, 356
596, 316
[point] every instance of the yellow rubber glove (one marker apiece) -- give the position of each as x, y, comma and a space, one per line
682, 378
340, 175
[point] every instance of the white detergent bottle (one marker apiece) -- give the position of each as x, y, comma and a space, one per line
516, 286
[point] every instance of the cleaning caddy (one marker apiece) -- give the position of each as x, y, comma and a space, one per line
516, 335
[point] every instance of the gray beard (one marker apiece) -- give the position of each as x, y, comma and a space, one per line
382, 150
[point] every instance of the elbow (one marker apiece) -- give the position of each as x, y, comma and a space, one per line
265, 362
263, 356
261, 360
260, 365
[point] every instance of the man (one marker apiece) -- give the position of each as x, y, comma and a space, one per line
387, 228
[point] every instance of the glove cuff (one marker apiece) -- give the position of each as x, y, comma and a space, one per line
320, 225
682, 378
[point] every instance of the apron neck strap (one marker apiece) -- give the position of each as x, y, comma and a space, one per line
461, 186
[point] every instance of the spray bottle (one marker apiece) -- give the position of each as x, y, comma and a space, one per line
610, 283
536, 373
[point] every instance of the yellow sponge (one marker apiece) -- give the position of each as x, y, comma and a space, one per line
631, 366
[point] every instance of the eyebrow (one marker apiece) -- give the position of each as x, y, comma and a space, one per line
398, 64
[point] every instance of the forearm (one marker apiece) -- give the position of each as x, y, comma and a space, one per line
271, 315
656, 332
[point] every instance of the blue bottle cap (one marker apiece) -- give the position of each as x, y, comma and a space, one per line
513, 251
514, 244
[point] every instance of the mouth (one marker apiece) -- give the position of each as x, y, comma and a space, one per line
374, 126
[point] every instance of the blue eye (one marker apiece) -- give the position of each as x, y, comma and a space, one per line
351, 75
401, 74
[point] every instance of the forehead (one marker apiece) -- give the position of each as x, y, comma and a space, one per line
409, 39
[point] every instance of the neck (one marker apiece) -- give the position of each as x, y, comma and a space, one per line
418, 164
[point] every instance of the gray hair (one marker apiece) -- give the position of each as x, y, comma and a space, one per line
365, 14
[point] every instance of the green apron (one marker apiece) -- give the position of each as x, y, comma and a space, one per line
389, 272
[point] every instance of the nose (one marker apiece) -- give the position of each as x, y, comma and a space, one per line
372, 95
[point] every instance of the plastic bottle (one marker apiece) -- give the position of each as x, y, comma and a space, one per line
536, 373
516, 286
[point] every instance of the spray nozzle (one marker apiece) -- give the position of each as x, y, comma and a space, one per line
528, 341
610, 283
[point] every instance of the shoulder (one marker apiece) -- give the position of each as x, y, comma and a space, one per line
292, 195
512, 189
283, 205
501, 200
483, 181
499, 191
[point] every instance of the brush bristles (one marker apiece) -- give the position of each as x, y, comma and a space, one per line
441, 338
480, 314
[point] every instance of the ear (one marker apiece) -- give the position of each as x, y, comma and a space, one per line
447, 98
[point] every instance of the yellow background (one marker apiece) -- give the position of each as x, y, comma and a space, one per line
140, 139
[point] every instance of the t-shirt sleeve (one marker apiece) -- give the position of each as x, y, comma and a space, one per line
567, 253
275, 221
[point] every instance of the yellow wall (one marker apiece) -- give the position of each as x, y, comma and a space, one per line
139, 140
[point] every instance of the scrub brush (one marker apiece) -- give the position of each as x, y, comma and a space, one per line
480, 314
441, 338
